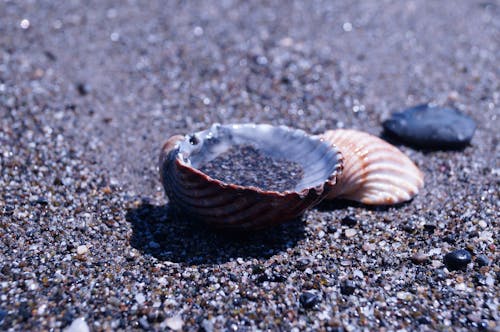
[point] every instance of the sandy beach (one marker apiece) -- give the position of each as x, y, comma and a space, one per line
89, 91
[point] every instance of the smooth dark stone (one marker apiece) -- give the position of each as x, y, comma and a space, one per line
331, 229
482, 260
483, 326
457, 260
349, 221
423, 320
257, 269
440, 275
83, 89
431, 127
430, 228
347, 287
451, 239
308, 300
479, 279
409, 228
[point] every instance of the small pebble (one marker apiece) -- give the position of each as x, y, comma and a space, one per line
82, 88
347, 287
423, 320
482, 260
419, 258
404, 296
175, 323
350, 232
309, 299
140, 298
78, 325
349, 221
409, 228
430, 228
82, 250
431, 127
331, 229
451, 239
457, 260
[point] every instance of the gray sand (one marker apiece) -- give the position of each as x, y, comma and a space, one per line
89, 91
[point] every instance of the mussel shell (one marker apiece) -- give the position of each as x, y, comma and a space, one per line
226, 205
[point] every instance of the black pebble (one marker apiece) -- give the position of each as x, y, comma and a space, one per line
430, 228
457, 260
347, 287
257, 269
302, 263
423, 320
451, 239
83, 89
9, 210
431, 127
483, 326
349, 221
479, 279
308, 300
440, 275
482, 260
409, 228
41, 201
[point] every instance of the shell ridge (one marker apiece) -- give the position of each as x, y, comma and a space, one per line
375, 172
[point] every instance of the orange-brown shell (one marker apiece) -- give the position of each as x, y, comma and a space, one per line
231, 206
375, 172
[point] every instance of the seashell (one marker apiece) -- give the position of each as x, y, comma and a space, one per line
233, 206
375, 172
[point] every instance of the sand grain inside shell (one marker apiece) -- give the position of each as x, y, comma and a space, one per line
247, 166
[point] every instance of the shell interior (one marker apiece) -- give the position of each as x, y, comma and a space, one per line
318, 160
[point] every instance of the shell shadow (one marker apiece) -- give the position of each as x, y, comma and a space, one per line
396, 141
161, 232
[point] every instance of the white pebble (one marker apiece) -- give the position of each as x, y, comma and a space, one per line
78, 325
82, 250
350, 232
358, 273
486, 236
140, 298
404, 296
175, 323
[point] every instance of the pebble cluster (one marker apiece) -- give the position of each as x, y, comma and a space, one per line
88, 94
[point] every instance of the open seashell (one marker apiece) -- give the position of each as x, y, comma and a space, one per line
375, 172
233, 206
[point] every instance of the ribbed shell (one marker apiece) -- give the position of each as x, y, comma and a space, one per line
375, 172
231, 206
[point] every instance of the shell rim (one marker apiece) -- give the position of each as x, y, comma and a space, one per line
319, 189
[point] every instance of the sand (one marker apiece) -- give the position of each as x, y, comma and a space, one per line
90, 91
